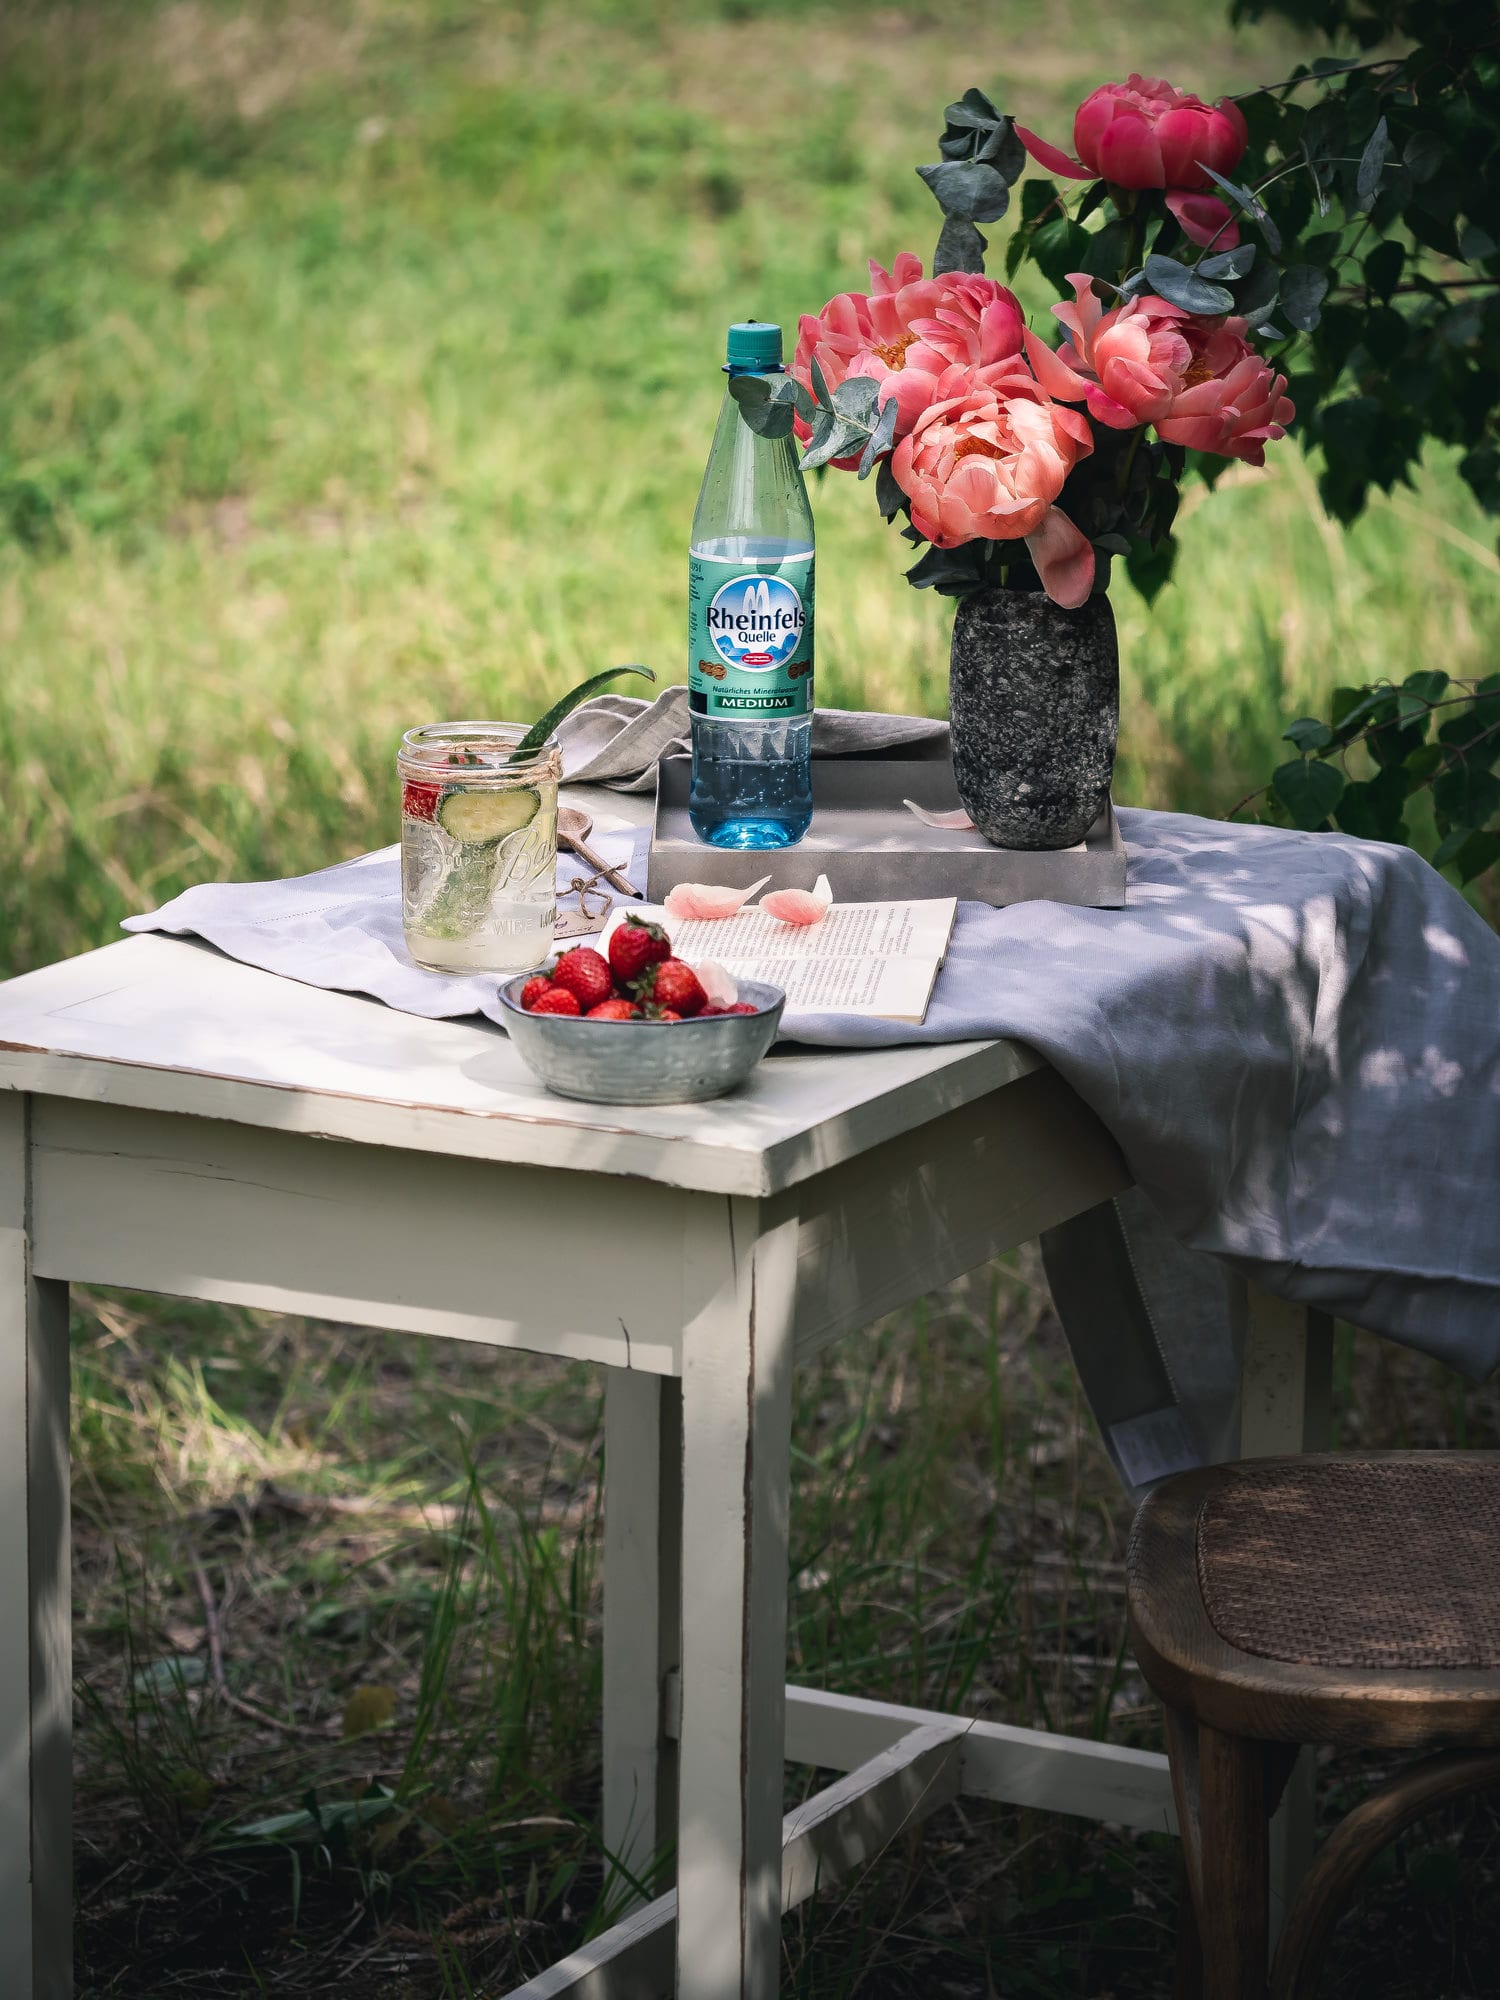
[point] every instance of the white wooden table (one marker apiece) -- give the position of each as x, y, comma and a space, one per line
173, 1122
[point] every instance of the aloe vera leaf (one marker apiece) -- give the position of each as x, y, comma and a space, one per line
538, 733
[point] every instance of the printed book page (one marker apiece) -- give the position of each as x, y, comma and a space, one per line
879, 959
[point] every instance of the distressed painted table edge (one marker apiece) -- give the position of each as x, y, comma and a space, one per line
750, 1312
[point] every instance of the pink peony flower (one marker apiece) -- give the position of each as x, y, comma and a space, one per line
906, 333
1147, 362
1144, 134
989, 463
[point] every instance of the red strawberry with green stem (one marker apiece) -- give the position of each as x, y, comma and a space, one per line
673, 984
634, 946
533, 990
556, 1000
615, 1010
586, 974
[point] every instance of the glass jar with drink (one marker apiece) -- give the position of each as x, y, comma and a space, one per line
478, 846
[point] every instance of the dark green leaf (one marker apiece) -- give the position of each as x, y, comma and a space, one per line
1476, 244
1309, 791
889, 497
539, 731
820, 386
971, 189
1372, 166
807, 409
1468, 795
1228, 263
1428, 685
1308, 733
1303, 289
1423, 156
951, 572
961, 247
1181, 287
1058, 247
1371, 809
881, 438
1476, 855
1382, 268
1150, 569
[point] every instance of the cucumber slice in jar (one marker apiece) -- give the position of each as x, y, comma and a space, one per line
481, 818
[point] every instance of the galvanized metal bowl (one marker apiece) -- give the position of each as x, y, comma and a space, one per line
643, 1062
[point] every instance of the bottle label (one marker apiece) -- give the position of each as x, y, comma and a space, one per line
750, 636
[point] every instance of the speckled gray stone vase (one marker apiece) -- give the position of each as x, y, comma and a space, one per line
1034, 697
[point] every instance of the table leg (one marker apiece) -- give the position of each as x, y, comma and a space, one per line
36, 1635
642, 1620
736, 1427
1285, 1406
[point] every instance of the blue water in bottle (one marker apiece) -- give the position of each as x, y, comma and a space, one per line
750, 626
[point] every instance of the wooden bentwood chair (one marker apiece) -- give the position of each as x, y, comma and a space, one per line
1322, 1599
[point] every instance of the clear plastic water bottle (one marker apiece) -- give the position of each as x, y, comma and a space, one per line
750, 625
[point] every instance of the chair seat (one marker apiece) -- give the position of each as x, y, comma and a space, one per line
1338, 1598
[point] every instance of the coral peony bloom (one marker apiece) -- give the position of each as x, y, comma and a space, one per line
1147, 362
1145, 134
989, 463
906, 333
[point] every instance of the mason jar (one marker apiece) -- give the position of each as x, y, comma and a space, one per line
478, 846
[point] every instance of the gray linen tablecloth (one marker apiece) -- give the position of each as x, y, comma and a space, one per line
1295, 1039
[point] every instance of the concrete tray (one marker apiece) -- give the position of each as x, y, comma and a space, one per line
873, 850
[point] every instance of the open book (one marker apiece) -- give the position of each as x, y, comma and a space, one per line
863, 958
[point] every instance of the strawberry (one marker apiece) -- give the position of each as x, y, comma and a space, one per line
634, 946
705, 1013
533, 990
556, 1000
586, 974
743, 1007
667, 1014
672, 984
615, 1010
419, 801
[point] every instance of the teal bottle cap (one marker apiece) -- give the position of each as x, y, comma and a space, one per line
754, 345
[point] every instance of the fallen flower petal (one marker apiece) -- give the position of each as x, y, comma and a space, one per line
707, 902
717, 983
799, 906
957, 821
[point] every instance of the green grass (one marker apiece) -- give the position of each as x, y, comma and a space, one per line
360, 362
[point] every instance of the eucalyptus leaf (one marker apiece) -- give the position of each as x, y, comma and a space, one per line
806, 408
971, 189
951, 572
1303, 289
766, 412
1228, 263
881, 438
1371, 167
1253, 206
820, 386
1180, 286
961, 247
855, 400
838, 440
